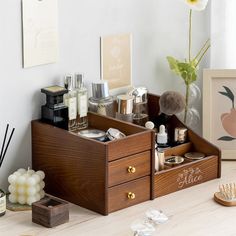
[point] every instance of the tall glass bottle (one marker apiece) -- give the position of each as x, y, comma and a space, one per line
70, 101
82, 102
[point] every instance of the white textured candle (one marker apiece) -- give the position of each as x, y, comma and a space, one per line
26, 186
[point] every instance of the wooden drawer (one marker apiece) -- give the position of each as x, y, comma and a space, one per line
118, 196
129, 168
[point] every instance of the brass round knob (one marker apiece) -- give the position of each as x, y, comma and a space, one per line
131, 195
131, 169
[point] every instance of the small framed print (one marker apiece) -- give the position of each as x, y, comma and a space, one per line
219, 110
116, 60
40, 32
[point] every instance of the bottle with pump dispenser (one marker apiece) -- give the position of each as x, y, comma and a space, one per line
82, 102
70, 101
162, 139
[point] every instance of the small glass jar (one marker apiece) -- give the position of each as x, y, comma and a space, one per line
140, 108
101, 102
2, 203
125, 108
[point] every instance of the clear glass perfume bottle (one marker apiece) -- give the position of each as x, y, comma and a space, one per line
70, 101
101, 102
140, 109
82, 102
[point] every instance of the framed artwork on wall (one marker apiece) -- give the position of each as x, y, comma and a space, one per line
116, 60
40, 32
219, 110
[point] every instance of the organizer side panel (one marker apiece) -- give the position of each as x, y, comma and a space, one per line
75, 168
185, 176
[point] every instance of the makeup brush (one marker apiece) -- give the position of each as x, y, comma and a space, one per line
226, 195
170, 103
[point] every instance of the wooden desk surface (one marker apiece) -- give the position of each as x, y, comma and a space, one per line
191, 211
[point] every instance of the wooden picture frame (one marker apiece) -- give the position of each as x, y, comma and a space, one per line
219, 112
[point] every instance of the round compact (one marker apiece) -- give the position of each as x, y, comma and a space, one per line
174, 160
93, 134
194, 155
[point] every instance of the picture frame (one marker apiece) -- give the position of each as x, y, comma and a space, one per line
116, 61
219, 110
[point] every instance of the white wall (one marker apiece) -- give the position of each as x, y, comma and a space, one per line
223, 34
159, 28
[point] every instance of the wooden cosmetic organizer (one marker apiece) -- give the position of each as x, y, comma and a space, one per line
190, 172
105, 177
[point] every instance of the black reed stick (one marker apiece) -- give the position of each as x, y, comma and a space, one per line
4, 140
9, 140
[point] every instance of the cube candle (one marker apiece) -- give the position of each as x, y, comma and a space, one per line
26, 186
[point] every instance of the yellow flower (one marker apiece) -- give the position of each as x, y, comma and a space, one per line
197, 5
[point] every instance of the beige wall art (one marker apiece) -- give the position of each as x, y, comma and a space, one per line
40, 32
116, 63
219, 110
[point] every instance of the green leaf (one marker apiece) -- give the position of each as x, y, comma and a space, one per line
188, 72
173, 63
226, 138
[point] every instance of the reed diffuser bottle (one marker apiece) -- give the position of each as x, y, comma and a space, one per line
82, 102
2, 203
71, 103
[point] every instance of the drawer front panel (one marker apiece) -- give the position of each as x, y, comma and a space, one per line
185, 176
129, 168
128, 194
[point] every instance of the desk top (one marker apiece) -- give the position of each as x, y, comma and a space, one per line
191, 211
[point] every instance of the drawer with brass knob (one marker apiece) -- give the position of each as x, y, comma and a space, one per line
129, 168
128, 194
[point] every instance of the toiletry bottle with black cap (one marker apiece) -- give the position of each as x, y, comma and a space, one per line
70, 100
82, 102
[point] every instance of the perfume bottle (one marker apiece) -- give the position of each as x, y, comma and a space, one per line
54, 111
125, 108
101, 102
140, 108
70, 101
82, 102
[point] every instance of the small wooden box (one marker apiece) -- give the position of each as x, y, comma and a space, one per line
50, 212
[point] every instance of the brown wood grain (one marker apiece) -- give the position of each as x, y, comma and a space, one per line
179, 150
74, 167
118, 170
132, 144
186, 175
50, 212
118, 195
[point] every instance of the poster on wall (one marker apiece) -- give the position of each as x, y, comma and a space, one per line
116, 60
40, 32
219, 113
